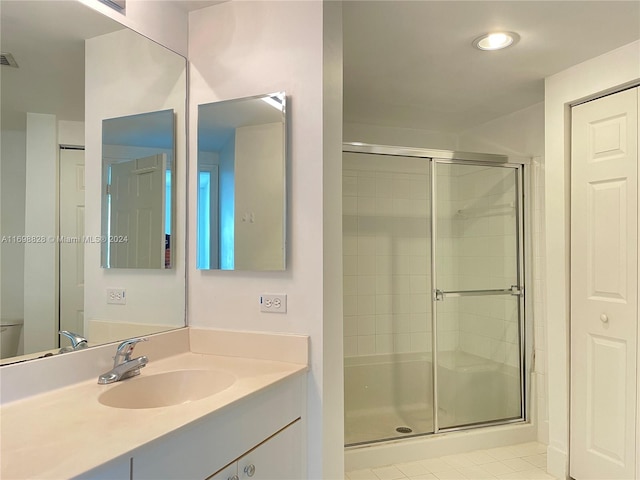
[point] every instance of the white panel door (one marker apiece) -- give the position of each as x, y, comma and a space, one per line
137, 213
604, 287
71, 240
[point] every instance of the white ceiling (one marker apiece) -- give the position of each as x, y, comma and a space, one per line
411, 63
406, 63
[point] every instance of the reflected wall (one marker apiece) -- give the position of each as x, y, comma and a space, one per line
241, 218
126, 75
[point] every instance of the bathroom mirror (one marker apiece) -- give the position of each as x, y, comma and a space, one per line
241, 218
70, 68
137, 169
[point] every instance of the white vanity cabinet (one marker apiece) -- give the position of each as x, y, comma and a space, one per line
277, 458
264, 429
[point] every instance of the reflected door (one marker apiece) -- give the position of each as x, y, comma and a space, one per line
136, 222
477, 292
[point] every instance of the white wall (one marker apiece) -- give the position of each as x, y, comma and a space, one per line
127, 74
12, 188
589, 79
41, 218
240, 49
70, 133
519, 133
163, 22
259, 197
406, 137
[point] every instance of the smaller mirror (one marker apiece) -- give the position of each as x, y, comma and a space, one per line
137, 179
242, 184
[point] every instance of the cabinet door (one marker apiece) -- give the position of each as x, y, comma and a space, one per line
604, 287
278, 458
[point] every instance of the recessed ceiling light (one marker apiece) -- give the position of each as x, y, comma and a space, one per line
496, 40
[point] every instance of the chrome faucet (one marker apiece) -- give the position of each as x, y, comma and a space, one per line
78, 342
123, 365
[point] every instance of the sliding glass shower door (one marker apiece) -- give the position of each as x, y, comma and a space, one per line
477, 294
433, 303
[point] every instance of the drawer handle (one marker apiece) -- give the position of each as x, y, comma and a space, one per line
604, 318
250, 470
235, 477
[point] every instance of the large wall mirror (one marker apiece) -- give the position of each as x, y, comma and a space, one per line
137, 191
69, 69
241, 220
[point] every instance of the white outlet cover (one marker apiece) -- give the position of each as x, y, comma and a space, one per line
273, 303
116, 296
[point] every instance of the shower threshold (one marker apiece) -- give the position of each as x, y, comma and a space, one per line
389, 424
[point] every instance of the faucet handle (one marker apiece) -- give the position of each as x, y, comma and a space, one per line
126, 348
77, 341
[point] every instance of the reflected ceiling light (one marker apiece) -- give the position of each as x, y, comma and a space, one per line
276, 101
496, 40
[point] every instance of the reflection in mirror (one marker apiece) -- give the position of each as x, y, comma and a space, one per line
241, 218
137, 169
74, 67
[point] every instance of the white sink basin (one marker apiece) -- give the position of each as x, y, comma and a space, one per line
166, 389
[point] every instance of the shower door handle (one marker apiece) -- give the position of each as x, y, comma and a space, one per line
440, 295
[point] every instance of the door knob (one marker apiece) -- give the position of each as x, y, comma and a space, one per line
604, 318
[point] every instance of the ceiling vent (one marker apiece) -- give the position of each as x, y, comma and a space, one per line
7, 60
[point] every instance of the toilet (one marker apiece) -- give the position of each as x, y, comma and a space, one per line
9, 337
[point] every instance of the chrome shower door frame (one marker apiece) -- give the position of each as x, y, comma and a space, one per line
435, 157
438, 295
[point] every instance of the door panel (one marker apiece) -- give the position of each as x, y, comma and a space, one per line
604, 287
607, 360
607, 249
137, 213
478, 294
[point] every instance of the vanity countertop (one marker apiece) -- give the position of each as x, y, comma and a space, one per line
65, 432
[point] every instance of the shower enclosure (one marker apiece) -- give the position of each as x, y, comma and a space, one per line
433, 292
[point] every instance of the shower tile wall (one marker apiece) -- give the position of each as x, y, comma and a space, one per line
386, 215
386, 255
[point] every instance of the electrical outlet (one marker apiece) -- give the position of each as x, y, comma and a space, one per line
116, 296
273, 303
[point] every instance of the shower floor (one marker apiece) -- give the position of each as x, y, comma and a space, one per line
380, 424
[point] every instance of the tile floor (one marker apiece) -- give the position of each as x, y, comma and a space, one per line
515, 462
